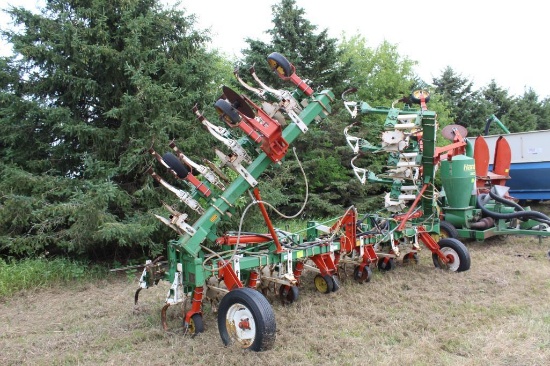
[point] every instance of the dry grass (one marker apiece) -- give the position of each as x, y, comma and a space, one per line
498, 313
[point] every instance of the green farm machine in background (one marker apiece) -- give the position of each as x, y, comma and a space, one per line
473, 202
409, 141
235, 271
481, 207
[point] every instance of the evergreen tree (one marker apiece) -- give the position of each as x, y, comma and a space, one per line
524, 113
318, 60
498, 97
90, 86
544, 117
467, 107
316, 55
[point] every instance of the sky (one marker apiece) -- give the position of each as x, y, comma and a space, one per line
481, 40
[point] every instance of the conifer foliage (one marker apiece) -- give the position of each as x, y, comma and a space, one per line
90, 86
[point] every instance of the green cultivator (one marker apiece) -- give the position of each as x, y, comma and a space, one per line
234, 271
409, 141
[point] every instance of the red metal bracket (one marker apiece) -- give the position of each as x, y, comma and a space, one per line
243, 239
228, 275
198, 184
298, 271
324, 263
369, 255
196, 305
267, 220
273, 143
431, 244
457, 147
296, 80
253, 279
348, 222
409, 213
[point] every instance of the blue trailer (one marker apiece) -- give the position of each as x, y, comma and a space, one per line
530, 168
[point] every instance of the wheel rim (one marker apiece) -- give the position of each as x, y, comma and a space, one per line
275, 66
192, 328
453, 259
364, 276
288, 294
410, 258
320, 284
280, 64
386, 264
240, 325
227, 112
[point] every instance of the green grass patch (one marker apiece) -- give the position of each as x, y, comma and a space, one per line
40, 273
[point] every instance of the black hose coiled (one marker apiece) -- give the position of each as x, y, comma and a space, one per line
535, 215
496, 197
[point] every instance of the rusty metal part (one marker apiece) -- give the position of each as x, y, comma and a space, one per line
483, 224
163, 316
136, 296
146, 265
449, 131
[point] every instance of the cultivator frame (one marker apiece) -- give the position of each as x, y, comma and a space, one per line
409, 139
229, 270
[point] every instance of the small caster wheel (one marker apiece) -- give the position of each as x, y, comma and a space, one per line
362, 276
324, 284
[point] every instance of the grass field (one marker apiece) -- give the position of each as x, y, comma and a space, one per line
497, 313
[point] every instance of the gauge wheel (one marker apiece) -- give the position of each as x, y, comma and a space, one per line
288, 294
246, 318
280, 64
410, 258
226, 112
447, 230
323, 284
176, 165
416, 96
196, 325
335, 283
456, 252
362, 276
386, 264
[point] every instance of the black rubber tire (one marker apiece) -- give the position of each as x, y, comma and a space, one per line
227, 113
261, 312
280, 64
454, 247
323, 284
364, 276
335, 283
447, 230
288, 294
176, 165
385, 266
410, 258
415, 96
196, 324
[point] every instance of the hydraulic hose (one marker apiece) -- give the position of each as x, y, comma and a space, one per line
535, 215
496, 197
